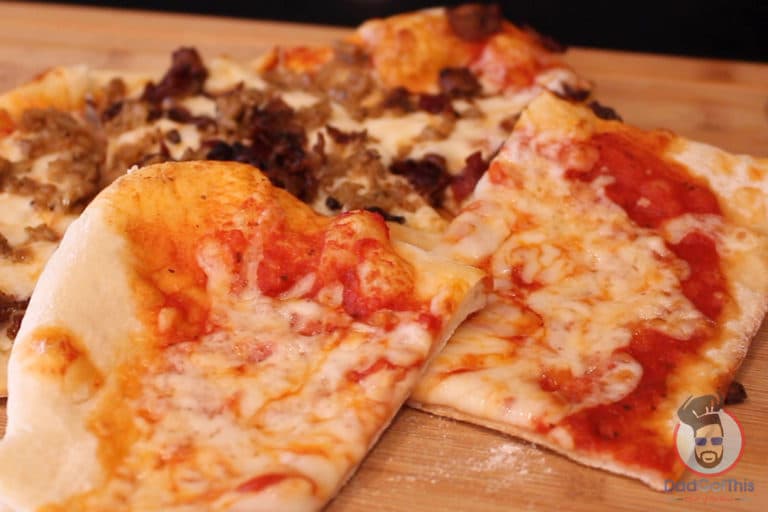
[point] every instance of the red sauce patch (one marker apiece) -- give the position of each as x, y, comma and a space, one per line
381, 364
621, 428
464, 183
261, 482
287, 257
650, 189
469, 363
563, 382
234, 240
516, 276
705, 285
192, 321
386, 285
6, 123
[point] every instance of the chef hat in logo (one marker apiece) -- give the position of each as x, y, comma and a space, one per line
700, 411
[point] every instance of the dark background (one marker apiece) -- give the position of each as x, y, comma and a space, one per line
735, 29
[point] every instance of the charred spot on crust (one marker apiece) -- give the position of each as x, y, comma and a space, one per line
185, 77
475, 22
570, 93
428, 175
458, 82
604, 112
736, 393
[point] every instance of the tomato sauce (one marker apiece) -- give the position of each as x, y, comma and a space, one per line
382, 364
705, 285
620, 427
288, 256
651, 191
261, 482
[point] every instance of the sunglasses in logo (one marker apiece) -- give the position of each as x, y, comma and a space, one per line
702, 441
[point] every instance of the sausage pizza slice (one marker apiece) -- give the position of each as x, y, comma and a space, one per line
400, 118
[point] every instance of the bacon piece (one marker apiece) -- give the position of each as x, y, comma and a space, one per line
398, 99
427, 175
464, 183
185, 77
435, 103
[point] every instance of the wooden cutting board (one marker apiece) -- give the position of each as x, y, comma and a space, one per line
425, 463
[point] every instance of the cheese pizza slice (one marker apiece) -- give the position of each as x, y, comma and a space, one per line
629, 271
202, 340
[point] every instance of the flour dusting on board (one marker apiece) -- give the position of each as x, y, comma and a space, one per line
497, 468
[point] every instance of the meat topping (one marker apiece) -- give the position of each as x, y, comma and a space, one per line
332, 203
475, 22
11, 312
464, 183
427, 175
342, 137
75, 172
435, 103
458, 83
41, 232
185, 77
387, 216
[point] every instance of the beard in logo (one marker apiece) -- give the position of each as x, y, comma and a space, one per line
709, 445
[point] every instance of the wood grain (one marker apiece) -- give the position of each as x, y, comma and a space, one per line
425, 463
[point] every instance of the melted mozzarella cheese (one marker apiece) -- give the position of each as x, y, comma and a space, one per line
190, 138
224, 74
200, 106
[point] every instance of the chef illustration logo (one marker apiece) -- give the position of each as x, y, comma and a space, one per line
709, 440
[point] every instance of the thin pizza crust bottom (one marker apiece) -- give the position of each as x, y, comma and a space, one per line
654, 480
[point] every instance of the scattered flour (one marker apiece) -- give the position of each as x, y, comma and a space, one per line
498, 468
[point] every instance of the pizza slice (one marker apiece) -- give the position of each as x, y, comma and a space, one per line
629, 271
202, 340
